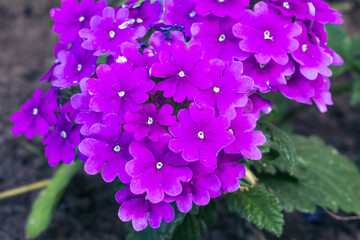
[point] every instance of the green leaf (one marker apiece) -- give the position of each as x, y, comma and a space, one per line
340, 42
45, 204
164, 232
102, 59
195, 223
258, 206
325, 178
278, 153
355, 96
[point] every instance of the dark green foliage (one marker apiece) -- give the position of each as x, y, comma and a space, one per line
259, 207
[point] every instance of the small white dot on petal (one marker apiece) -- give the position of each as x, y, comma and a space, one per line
79, 67
286, 5
111, 34
121, 93
35, 111
121, 59
150, 121
216, 89
63, 134
201, 135
117, 148
139, 20
159, 165
181, 74
192, 14
267, 35
304, 47
81, 19
221, 38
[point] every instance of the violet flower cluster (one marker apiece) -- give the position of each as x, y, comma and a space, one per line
172, 109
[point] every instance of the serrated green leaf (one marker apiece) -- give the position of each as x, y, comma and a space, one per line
325, 178
259, 207
195, 223
45, 204
281, 153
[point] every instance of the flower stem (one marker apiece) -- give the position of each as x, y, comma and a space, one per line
24, 189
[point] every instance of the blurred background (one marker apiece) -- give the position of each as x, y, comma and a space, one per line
88, 209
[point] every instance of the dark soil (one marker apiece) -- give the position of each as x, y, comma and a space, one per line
88, 209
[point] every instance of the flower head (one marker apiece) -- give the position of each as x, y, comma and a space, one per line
221, 8
147, 14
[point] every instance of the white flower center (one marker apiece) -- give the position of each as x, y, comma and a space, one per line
139, 20
150, 121
117, 148
221, 38
216, 89
79, 67
286, 5
201, 135
304, 47
159, 165
146, 198
220, 1
121, 93
111, 34
267, 35
121, 59
126, 24
81, 19
230, 130
192, 14
63, 134
262, 66
35, 111
181, 74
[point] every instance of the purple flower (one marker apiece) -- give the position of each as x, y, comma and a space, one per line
149, 122
107, 149
130, 53
267, 34
73, 16
181, 13
229, 171
75, 64
259, 104
267, 75
302, 90
108, 32
147, 14
199, 189
323, 13
119, 89
62, 141
184, 71
49, 75
159, 43
228, 89
86, 117
36, 116
141, 211
217, 39
313, 59
156, 170
221, 8
246, 140
199, 135
292, 8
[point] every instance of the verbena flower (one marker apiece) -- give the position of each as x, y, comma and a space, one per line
62, 141
147, 14
183, 70
36, 116
156, 170
74, 16
109, 31
118, 89
267, 34
150, 122
107, 149
228, 89
217, 39
141, 211
199, 135
74, 65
